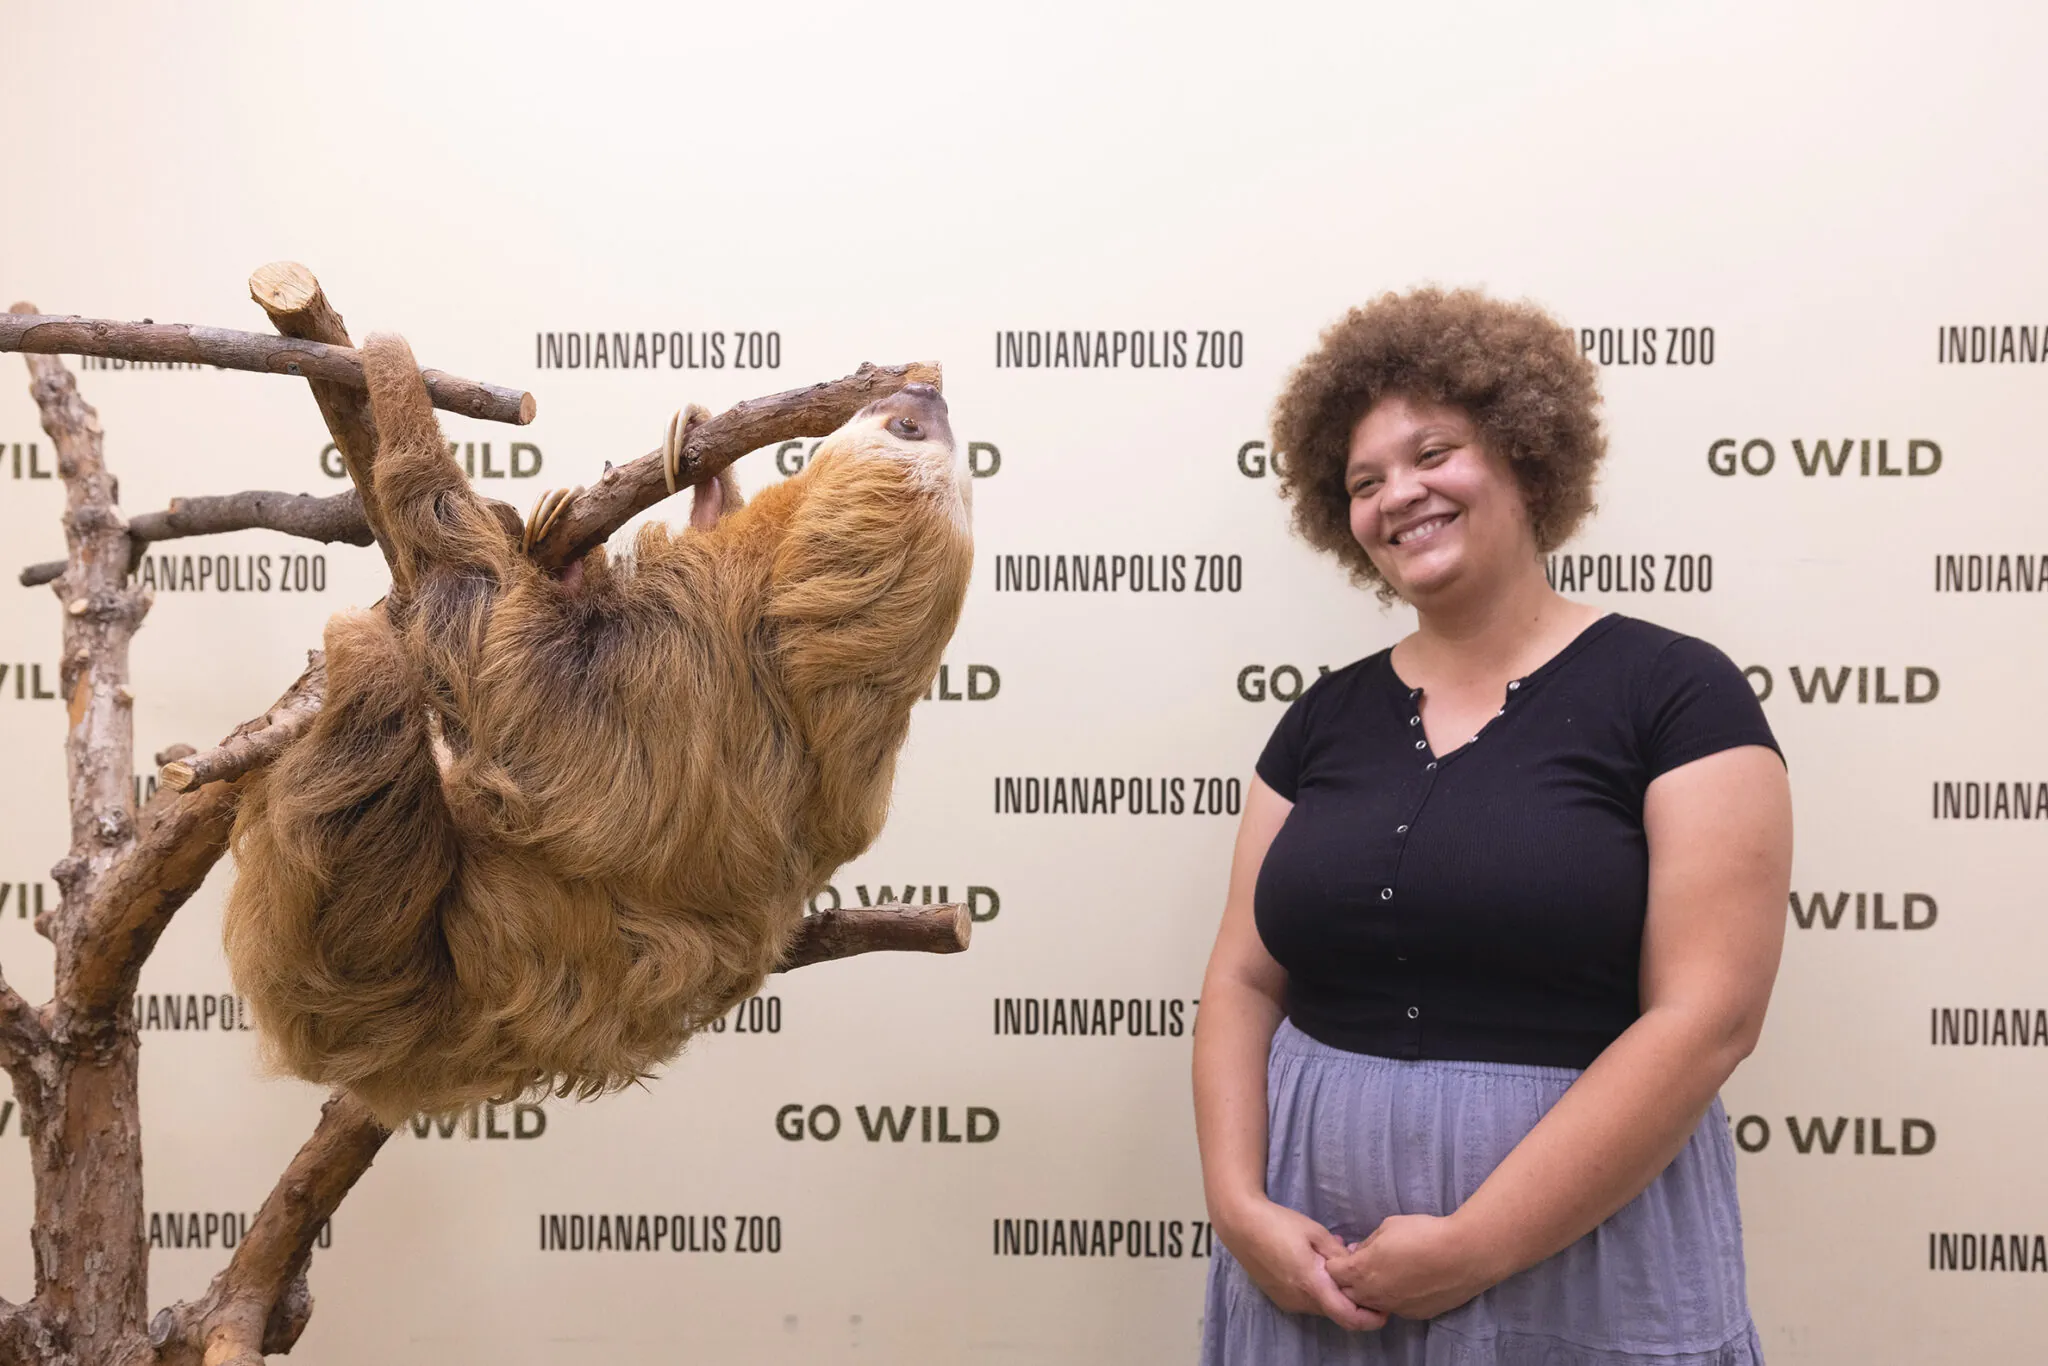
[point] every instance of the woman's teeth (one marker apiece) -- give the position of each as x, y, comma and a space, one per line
1425, 529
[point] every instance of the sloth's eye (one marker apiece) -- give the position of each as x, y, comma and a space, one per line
907, 429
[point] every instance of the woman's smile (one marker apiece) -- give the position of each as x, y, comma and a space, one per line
1418, 533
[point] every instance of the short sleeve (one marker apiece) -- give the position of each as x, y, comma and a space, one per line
1279, 765
1698, 703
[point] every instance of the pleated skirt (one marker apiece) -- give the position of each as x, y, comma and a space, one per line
1355, 1138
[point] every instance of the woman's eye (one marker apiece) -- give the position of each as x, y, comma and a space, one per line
1434, 451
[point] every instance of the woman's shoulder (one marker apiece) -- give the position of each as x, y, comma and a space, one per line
1335, 695
1647, 646
1687, 696
1339, 686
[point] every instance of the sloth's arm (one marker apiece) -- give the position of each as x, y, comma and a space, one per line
448, 553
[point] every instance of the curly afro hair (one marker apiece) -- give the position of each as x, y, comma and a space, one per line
1510, 367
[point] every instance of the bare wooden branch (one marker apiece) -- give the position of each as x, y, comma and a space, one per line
49, 334
23, 1336
259, 1304
77, 1092
141, 893
624, 491
827, 935
184, 838
631, 488
21, 1029
337, 518
100, 616
297, 307
255, 743
158, 800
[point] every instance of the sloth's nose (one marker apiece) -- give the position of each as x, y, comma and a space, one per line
915, 400
922, 404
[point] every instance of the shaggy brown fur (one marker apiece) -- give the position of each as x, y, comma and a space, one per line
1514, 370
544, 828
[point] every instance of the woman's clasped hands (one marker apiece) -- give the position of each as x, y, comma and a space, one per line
1413, 1265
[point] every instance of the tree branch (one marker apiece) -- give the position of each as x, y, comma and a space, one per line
184, 838
257, 742
631, 488
49, 334
140, 894
338, 517
21, 1029
590, 517
76, 1091
260, 1304
297, 307
100, 616
23, 1336
826, 935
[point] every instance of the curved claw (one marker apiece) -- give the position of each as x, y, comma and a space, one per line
545, 514
674, 442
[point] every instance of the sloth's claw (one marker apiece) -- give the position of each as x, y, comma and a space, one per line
672, 448
674, 442
545, 514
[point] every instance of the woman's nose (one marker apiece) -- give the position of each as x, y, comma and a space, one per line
1403, 487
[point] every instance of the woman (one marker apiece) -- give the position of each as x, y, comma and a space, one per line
1504, 913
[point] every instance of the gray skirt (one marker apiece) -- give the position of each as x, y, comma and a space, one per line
1355, 1138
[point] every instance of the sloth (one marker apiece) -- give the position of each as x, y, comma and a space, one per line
545, 827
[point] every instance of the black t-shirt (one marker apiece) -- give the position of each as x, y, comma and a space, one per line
1487, 905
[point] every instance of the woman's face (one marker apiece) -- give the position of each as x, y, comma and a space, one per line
1431, 505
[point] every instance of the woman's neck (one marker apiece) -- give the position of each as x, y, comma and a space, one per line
1485, 637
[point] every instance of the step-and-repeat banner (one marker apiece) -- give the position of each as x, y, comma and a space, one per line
1804, 249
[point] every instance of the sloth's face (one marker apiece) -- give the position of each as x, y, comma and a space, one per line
911, 426
916, 413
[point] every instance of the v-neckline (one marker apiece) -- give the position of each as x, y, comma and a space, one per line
1517, 688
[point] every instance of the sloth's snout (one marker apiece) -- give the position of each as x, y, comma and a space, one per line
916, 412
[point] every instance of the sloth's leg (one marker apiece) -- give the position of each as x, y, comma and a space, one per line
450, 558
710, 500
720, 497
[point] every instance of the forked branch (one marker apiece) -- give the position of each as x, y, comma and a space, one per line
338, 517
47, 334
257, 742
177, 847
260, 1303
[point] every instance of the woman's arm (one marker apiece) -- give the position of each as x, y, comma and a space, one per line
1284, 1251
1720, 841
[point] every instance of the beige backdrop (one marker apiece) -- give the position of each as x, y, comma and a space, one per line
1799, 201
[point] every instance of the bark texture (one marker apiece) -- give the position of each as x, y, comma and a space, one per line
337, 518
73, 336
77, 1089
